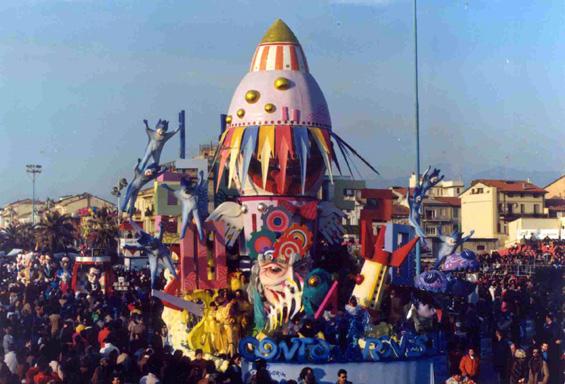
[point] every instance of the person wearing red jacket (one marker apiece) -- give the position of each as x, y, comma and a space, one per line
469, 365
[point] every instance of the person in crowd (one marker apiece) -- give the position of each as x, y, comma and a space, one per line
469, 365
306, 376
519, 370
233, 374
538, 372
342, 377
501, 357
456, 378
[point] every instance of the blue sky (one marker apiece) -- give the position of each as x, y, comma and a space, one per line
79, 76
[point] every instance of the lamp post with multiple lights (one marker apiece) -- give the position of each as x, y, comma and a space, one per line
117, 191
34, 170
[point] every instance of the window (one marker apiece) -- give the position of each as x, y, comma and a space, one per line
480, 190
372, 203
430, 231
536, 209
455, 213
348, 192
522, 208
498, 227
480, 247
430, 214
171, 198
510, 195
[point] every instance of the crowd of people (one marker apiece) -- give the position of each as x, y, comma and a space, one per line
523, 316
51, 334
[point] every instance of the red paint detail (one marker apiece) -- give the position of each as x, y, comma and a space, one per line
401, 253
293, 59
254, 222
296, 115
188, 262
330, 301
279, 58
284, 114
359, 279
264, 56
379, 254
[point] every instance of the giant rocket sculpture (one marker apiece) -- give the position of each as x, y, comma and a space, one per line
277, 146
276, 149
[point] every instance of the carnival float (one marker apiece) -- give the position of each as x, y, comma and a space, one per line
260, 275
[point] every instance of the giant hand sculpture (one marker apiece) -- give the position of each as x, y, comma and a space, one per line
415, 202
231, 214
329, 222
450, 243
157, 139
157, 252
194, 202
140, 178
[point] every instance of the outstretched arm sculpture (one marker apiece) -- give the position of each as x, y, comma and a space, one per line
139, 180
449, 243
415, 202
157, 139
157, 252
194, 202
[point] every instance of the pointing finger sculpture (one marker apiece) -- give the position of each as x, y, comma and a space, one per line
141, 177
157, 139
194, 202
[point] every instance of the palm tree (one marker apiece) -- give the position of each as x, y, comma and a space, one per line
17, 235
101, 231
9, 237
55, 231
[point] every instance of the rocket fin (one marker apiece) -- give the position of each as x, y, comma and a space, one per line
400, 254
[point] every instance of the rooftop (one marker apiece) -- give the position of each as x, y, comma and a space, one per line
510, 185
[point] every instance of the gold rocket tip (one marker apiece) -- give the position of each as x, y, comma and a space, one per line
279, 32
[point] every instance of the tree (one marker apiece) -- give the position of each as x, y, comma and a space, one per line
17, 235
55, 231
101, 231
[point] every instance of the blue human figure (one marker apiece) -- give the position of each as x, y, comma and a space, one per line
194, 202
157, 139
141, 177
157, 252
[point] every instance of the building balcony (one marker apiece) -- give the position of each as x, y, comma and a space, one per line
511, 215
440, 218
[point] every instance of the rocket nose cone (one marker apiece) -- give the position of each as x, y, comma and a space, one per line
279, 32
279, 50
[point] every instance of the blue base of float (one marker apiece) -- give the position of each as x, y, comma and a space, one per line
418, 371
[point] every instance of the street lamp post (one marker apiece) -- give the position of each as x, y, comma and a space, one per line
33, 170
417, 108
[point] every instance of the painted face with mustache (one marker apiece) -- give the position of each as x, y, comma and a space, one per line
282, 283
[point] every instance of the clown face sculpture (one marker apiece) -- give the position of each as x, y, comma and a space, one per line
278, 275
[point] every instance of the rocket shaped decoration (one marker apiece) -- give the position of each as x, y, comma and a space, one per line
278, 127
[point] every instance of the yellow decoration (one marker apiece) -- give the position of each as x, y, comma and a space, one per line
266, 148
279, 32
252, 96
228, 119
313, 281
234, 152
325, 151
282, 83
240, 112
270, 108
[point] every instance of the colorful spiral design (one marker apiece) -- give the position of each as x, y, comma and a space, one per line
276, 219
